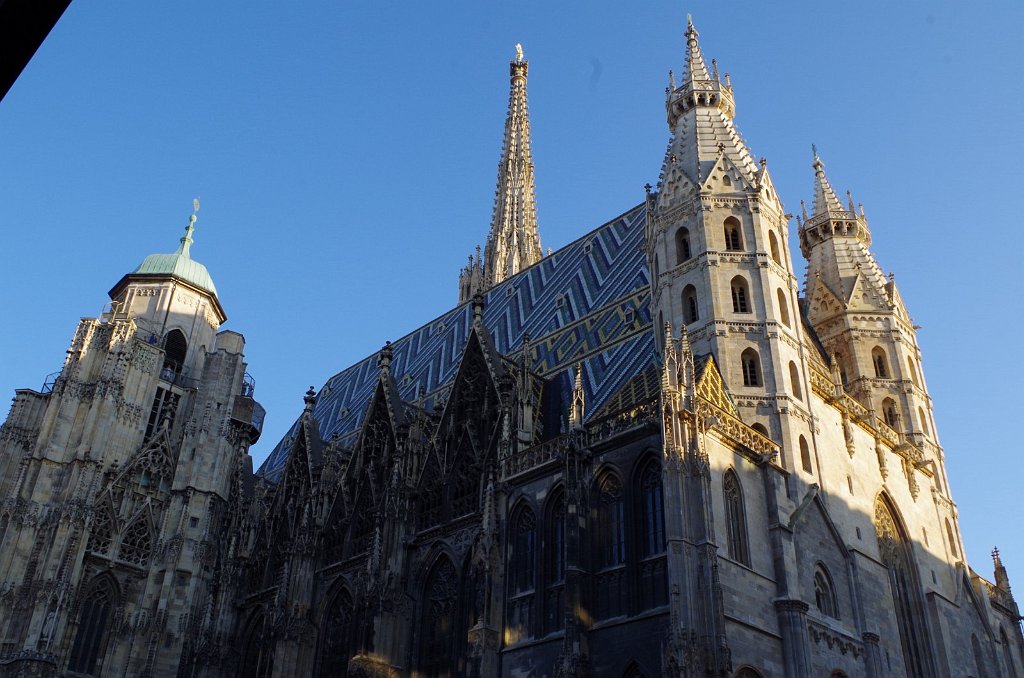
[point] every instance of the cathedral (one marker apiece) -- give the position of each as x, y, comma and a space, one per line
652, 452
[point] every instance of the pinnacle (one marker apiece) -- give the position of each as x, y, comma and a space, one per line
696, 69
825, 199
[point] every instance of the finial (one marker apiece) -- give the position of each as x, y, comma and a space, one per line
519, 53
814, 151
995, 553
310, 399
671, 81
478, 309
714, 69
647, 189
803, 208
849, 198
384, 358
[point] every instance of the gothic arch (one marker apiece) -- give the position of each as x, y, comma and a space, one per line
633, 670
339, 625
783, 307
438, 637
683, 248
137, 540
175, 351
691, 307
608, 521
257, 660
553, 560
773, 247
748, 672
740, 294
99, 600
651, 570
896, 555
735, 518
825, 598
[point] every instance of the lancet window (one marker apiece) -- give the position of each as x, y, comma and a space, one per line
554, 563
337, 636
653, 575
610, 581
735, 518
751, 364
740, 295
102, 531
522, 572
733, 238
257, 652
880, 362
438, 632
682, 245
691, 312
824, 593
783, 308
94, 618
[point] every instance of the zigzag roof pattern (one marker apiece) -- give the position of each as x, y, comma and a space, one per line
588, 302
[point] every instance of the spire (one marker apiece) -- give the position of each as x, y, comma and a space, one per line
186, 240
825, 199
696, 70
514, 243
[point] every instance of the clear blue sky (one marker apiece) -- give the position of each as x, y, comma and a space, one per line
345, 155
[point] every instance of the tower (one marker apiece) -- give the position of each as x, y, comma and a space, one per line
118, 476
513, 242
860, 318
716, 239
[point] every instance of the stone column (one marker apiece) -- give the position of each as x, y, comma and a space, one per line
796, 642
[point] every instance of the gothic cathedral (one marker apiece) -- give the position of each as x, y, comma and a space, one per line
650, 452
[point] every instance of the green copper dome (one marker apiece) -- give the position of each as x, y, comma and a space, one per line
179, 264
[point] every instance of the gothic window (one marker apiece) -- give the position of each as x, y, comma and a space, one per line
735, 518
794, 381
657, 267
726, 180
751, 367
175, 349
91, 637
633, 671
912, 371
690, 311
740, 295
431, 497
979, 657
890, 413
102, 530
337, 635
733, 239
783, 308
136, 543
522, 560
610, 531
361, 531
652, 567
464, 487
952, 539
805, 456
824, 593
1011, 669
923, 419
161, 414
747, 672
682, 245
257, 652
524, 550
773, 246
554, 563
438, 633
880, 362
895, 555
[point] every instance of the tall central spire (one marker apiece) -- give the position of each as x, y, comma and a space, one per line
513, 242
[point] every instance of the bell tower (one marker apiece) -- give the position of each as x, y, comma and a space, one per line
717, 251
117, 476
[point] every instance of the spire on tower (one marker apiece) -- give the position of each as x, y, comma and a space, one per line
696, 70
825, 199
186, 240
514, 243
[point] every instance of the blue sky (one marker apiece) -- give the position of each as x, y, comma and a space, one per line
345, 155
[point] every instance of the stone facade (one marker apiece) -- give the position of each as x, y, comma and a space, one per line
692, 470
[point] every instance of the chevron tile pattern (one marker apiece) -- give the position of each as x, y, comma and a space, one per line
588, 302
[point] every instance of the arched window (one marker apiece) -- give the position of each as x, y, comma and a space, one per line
880, 362
657, 266
760, 428
733, 236
824, 593
740, 295
794, 381
911, 371
735, 518
175, 350
633, 671
682, 245
773, 247
895, 554
890, 413
951, 536
135, 543
610, 581
1011, 669
437, 634
747, 672
337, 636
522, 571
653, 584
91, 636
554, 563
805, 456
726, 180
783, 308
431, 496
751, 365
524, 550
923, 419
102, 531
979, 657
690, 311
